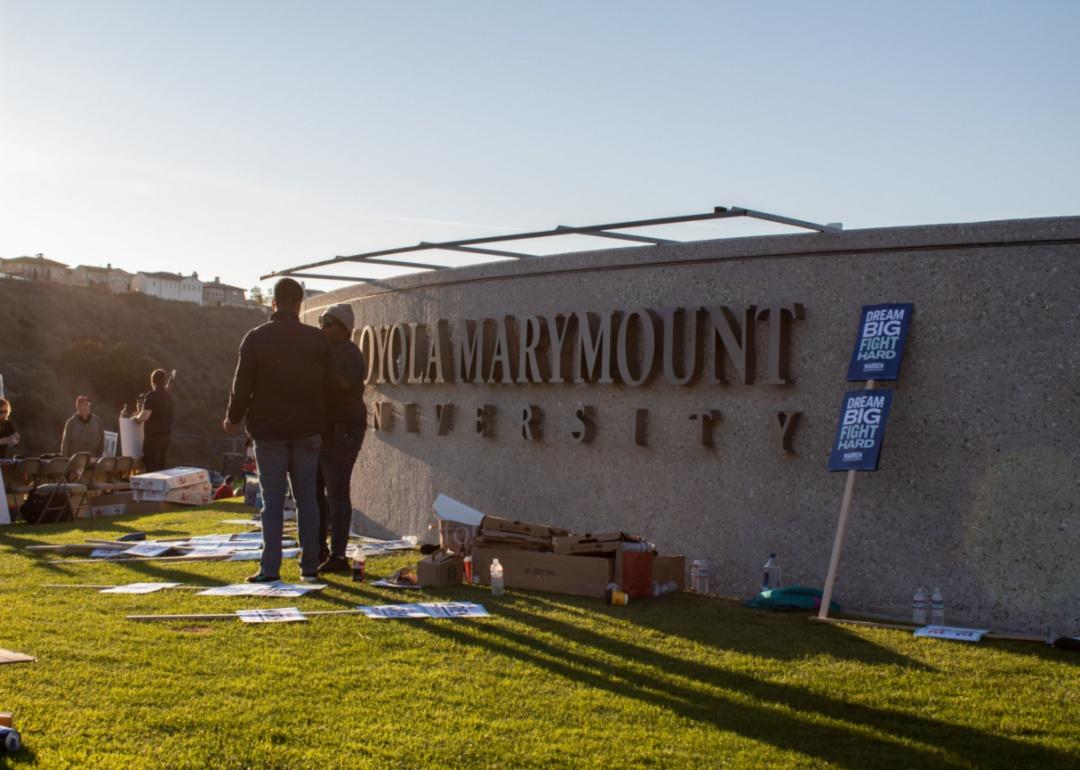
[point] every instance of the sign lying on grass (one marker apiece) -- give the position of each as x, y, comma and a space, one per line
879, 346
860, 431
289, 590
138, 588
425, 610
286, 615
952, 633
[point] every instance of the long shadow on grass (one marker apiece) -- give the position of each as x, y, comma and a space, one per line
762, 721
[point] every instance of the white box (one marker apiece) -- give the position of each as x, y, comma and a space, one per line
163, 481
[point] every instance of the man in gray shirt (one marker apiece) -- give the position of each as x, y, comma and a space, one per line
83, 432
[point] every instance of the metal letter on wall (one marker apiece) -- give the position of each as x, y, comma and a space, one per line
412, 418
727, 336
532, 423
500, 354
682, 359
585, 429
785, 429
707, 420
641, 427
439, 367
471, 347
779, 336
485, 420
637, 331
397, 352
562, 347
372, 344
417, 347
383, 415
532, 336
592, 362
444, 416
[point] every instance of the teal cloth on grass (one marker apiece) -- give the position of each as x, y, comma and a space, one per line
790, 598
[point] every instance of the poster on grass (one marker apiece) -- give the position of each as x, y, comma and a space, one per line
860, 430
879, 344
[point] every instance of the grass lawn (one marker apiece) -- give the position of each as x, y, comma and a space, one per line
549, 681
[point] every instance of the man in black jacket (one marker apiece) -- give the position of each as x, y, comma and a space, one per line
282, 378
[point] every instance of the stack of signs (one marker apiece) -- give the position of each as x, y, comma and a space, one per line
243, 546
185, 486
878, 351
424, 610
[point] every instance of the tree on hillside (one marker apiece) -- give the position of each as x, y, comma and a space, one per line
258, 296
116, 373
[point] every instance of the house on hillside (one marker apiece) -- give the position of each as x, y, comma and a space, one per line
218, 294
117, 281
169, 286
36, 268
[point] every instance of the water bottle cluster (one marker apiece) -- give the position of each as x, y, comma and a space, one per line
935, 602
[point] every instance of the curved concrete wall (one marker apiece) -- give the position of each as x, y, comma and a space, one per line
979, 486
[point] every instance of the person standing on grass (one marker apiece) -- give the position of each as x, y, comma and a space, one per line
156, 415
83, 431
346, 421
282, 376
9, 436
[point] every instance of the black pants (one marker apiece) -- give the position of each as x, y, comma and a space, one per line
336, 461
154, 450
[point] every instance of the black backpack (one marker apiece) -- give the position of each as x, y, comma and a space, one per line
33, 510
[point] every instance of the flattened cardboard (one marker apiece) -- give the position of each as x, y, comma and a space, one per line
555, 573
666, 568
599, 542
440, 570
492, 524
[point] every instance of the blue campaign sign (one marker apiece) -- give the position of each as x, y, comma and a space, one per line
879, 345
861, 430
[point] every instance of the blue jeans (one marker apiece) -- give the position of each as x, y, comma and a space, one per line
336, 462
281, 462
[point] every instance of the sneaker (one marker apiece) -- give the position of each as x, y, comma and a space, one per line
261, 578
335, 564
309, 578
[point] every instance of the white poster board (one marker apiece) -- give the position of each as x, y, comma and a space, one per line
112, 439
5, 514
131, 437
286, 615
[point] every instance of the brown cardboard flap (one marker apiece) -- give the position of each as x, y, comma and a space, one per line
492, 524
574, 575
599, 542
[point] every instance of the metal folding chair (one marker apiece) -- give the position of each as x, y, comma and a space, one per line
71, 483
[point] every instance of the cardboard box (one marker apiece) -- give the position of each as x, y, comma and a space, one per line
122, 503
493, 524
633, 570
193, 494
440, 570
555, 573
599, 542
458, 524
665, 568
162, 481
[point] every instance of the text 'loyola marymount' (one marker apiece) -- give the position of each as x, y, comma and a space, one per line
630, 347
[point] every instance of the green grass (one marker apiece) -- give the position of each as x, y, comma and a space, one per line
549, 681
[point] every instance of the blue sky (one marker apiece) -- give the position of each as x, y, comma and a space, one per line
234, 138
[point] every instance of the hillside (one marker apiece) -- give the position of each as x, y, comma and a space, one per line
59, 341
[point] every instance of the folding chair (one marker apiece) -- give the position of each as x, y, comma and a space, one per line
24, 479
101, 476
71, 483
122, 474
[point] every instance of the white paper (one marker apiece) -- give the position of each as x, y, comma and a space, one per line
391, 584
285, 615
425, 610
139, 588
148, 549
278, 589
199, 553
5, 514
105, 553
449, 509
131, 437
952, 633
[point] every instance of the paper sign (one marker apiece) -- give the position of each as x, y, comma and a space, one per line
263, 589
860, 430
105, 553
879, 345
425, 610
5, 514
139, 588
391, 584
286, 615
951, 632
199, 553
148, 549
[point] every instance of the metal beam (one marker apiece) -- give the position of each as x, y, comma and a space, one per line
620, 236
785, 220
401, 263
291, 274
490, 252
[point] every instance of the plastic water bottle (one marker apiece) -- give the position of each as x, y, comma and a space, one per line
496, 578
771, 570
918, 607
937, 608
703, 576
695, 565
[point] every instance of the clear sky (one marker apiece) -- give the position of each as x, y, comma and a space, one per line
235, 137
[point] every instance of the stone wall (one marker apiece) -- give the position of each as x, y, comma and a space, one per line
979, 486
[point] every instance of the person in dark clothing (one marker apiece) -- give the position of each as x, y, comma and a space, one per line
282, 376
346, 421
156, 415
9, 436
